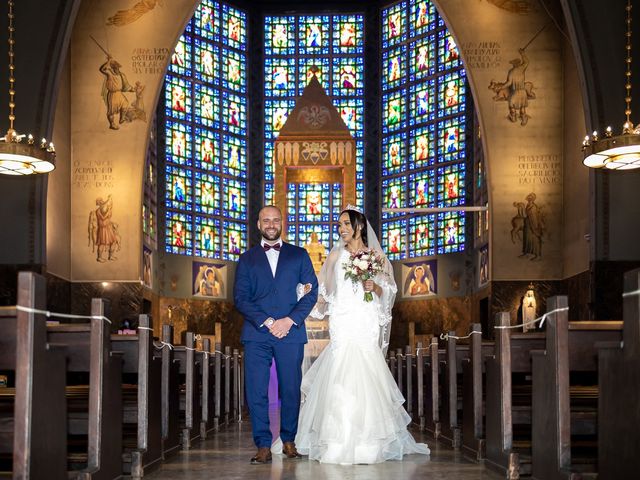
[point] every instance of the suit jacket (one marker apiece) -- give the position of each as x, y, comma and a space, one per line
259, 295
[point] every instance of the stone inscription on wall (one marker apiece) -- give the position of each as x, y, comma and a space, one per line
149, 60
539, 169
482, 55
96, 173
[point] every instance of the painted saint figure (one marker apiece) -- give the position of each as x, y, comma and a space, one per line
533, 228
115, 84
103, 233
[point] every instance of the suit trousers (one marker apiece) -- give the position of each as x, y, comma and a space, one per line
258, 357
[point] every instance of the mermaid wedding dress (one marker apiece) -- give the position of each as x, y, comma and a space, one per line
352, 409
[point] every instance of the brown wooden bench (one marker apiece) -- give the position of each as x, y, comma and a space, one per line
33, 416
565, 395
142, 418
619, 386
94, 392
473, 395
190, 395
508, 400
170, 394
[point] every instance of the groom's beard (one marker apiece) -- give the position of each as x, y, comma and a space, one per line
271, 234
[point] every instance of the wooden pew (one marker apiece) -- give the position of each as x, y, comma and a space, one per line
207, 420
142, 419
507, 406
570, 349
473, 401
170, 395
190, 385
34, 433
218, 382
451, 401
619, 386
89, 356
433, 390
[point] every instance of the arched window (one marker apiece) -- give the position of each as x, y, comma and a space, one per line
205, 110
294, 44
424, 118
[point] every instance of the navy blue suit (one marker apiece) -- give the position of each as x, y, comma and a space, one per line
258, 296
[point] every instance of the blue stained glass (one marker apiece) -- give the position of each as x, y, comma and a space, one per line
181, 57
276, 113
394, 239
207, 106
450, 232
422, 17
234, 156
394, 192
394, 154
421, 236
234, 113
432, 117
207, 194
394, 67
178, 186
208, 20
305, 72
207, 60
207, 237
205, 147
422, 147
234, 27
280, 36
234, 240
208, 150
348, 34
177, 98
394, 111
280, 76
313, 35
347, 76
178, 146
234, 71
451, 189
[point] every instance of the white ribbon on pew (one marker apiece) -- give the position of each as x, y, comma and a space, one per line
634, 293
49, 314
446, 336
163, 344
539, 319
223, 354
145, 328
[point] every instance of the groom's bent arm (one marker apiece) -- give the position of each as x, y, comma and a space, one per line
302, 309
242, 296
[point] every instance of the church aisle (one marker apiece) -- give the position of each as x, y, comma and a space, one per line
227, 453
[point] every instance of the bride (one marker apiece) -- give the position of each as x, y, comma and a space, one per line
352, 409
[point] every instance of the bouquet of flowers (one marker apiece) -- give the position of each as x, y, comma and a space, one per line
363, 265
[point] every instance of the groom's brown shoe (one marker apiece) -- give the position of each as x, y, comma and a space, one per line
262, 456
289, 449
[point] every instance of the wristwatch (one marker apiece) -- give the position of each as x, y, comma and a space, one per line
269, 321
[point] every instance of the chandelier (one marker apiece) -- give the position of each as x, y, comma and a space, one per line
616, 152
20, 154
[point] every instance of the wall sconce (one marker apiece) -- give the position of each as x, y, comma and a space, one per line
529, 309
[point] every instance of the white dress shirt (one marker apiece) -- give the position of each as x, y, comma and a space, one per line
272, 255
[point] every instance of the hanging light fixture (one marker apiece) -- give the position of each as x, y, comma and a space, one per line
20, 154
616, 152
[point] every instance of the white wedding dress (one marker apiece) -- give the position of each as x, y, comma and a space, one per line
352, 409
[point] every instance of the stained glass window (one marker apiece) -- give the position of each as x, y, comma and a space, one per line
423, 145
205, 110
294, 45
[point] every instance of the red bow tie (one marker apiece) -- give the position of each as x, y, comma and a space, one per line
268, 247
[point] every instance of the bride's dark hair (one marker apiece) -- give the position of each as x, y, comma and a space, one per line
357, 219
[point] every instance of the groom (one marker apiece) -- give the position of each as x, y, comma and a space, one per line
265, 294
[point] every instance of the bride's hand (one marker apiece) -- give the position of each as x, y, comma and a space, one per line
371, 286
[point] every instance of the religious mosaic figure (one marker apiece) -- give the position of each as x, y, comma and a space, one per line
529, 221
317, 252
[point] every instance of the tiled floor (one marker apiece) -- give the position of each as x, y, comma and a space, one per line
226, 455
